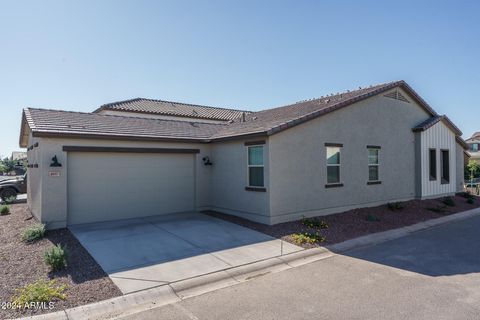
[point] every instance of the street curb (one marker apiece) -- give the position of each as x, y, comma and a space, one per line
384, 236
119, 307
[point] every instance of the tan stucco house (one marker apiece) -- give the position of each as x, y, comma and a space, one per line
146, 157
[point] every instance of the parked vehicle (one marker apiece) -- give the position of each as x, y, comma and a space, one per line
10, 188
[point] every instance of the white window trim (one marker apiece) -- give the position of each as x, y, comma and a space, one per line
339, 165
374, 164
255, 165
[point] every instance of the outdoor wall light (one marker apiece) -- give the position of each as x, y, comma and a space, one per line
55, 162
206, 161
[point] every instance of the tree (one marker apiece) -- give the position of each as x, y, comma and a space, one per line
7, 164
473, 168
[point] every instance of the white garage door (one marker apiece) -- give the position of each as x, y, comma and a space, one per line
110, 186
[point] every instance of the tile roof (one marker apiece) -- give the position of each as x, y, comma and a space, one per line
266, 122
277, 119
178, 109
51, 122
433, 120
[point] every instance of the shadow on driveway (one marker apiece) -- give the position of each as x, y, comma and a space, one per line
446, 250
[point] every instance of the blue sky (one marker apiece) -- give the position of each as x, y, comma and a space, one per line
248, 54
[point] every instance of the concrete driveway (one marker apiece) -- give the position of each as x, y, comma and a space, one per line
432, 274
147, 252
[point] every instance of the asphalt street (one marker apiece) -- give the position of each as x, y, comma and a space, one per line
432, 274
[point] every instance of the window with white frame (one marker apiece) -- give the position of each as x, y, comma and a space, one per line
255, 166
373, 164
333, 164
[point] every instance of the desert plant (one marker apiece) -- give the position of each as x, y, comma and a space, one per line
372, 218
449, 201
395, 206
314, 223
4, 210
56, 257
34, 232
10, 200
465, 194
38, 291
310, 238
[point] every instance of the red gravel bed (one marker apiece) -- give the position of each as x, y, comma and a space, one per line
353, 223
22, 263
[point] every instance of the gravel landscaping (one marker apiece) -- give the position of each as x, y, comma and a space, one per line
358, 222
22, 263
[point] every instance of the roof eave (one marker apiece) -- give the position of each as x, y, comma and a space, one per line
74, 135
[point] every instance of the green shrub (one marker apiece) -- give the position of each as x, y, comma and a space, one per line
471, 200
32, 233
10, 200
310, 238
395, 206
39, 291
465, 194
449, 201
314, 223
56, 257
372, 218
4, 210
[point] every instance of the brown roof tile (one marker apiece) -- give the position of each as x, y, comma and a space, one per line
264, 122
171, 108
50, 122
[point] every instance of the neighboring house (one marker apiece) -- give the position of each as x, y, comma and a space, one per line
146, 157
474, 146
18, 156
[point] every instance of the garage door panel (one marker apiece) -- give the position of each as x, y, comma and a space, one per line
109, 186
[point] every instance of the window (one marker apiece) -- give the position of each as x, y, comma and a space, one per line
373, 174
333, 165
432, 160
445, 166
255, 166
475, 147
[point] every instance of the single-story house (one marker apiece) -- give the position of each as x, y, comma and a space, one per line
144, 157
474, 147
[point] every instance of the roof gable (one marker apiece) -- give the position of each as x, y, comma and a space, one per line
427, 124
275, 120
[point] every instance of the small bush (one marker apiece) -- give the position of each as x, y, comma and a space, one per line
39, 291
56, 257
314, 223
4, 210
310, 238
449, 201
395, 206
465, 194
10, 200
32, 233
470, 200
372, 218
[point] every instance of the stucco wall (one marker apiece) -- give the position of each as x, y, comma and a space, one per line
53, 205
298, 159
34, 179
438, 137
229, 179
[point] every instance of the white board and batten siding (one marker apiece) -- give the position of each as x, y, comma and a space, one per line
438, 137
